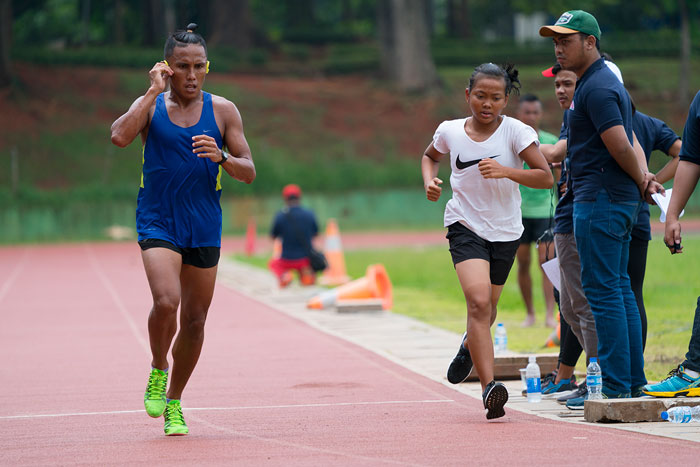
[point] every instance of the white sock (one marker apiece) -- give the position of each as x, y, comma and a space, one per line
691, 373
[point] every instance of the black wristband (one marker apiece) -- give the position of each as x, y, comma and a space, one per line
224, 158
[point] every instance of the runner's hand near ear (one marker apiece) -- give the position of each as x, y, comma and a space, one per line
159, 75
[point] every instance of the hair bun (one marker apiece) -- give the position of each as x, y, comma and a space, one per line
192, 27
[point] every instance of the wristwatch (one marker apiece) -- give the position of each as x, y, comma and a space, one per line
224, 158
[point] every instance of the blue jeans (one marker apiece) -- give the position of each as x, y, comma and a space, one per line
602, 229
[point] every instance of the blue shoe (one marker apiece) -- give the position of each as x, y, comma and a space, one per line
677, 383
608, 394
564, 386
576, 403
581, 391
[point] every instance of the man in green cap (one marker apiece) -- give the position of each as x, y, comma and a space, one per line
608, 185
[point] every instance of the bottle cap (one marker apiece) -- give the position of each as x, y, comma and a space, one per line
664, 415
594, 359
531, 359
500, 325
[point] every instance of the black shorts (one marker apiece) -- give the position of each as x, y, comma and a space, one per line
465, 244
201, 257
534, 228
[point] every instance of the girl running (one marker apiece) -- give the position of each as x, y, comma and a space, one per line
483, 217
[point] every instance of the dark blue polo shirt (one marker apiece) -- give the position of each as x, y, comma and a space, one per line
563, 215
690, 150
653, 134
600, 103
296, 227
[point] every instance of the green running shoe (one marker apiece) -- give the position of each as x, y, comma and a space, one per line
154, 398
174, 421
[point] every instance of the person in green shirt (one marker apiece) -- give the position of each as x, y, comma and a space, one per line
537, 210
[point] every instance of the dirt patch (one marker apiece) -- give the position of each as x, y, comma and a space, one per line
356, 109
60, 96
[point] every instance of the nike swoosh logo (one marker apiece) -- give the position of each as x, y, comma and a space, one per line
464, 165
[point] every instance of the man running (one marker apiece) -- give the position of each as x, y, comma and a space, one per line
178, 217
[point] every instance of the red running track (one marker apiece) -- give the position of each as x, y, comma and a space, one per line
269, 390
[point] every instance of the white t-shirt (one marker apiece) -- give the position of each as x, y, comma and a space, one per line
488, 207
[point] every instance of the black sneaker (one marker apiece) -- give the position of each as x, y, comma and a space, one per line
495, 397
582, 391
461, 365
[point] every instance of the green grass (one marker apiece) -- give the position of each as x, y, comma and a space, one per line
426, 288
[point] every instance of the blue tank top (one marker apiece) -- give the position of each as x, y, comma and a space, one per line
179, 196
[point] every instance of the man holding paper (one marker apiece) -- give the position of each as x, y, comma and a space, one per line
683, 380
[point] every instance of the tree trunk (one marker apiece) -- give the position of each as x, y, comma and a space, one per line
5, 41
299, 15
230, 24
154, 32
458, 22
684, 76
405, 44
119, 36
85, 20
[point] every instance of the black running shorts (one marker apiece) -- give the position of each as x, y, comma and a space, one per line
465, 244
201, 257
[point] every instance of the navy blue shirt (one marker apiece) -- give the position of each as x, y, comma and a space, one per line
600, 103
690, 150
563, 216
653, 134
296, 227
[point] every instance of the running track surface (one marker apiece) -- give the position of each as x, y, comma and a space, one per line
268, 390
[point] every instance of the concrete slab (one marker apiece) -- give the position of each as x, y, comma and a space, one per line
640, 409
508, 366
359, 305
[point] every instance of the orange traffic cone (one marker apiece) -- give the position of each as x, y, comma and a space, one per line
375, 284
335, 273
250, 235
554, 338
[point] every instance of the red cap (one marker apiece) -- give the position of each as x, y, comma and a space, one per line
548, 73
290, 191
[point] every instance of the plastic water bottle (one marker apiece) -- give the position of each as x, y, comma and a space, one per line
534, 385
682, 414
594, 380
500, 340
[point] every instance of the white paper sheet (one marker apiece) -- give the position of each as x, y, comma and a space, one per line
551, 268
662, 202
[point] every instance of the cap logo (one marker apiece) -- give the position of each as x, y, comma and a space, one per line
564, 19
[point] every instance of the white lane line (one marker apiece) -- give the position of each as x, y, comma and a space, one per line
209, 409
13, 275
135, 329
305, 447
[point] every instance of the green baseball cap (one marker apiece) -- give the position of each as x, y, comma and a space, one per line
572, 22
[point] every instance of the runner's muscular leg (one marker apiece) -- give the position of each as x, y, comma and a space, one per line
197, 292
163, 272
475, 280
